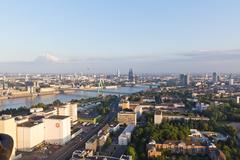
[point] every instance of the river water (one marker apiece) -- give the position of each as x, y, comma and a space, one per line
47, 99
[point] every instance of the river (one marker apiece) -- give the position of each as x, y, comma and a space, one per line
47, 99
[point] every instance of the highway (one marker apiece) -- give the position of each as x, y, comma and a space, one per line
65, 153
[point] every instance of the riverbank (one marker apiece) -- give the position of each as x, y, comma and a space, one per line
63, 97
25, 94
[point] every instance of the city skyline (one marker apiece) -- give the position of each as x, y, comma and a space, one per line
101, 36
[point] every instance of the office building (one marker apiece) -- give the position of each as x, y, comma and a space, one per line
29, 135
125, 117
215, 77
57, 129
118, 73
184, 79
8, 126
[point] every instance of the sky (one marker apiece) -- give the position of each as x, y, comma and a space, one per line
150, 36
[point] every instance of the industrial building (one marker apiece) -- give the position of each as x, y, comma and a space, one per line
68, 109
29, 135
8, 126
57, 129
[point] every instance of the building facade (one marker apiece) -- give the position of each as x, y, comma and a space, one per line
127, 118
57, 129
8, 126
29, 135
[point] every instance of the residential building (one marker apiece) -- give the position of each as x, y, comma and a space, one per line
179, 147
125, 105
92, 144
125, 136
125, 117
158, 117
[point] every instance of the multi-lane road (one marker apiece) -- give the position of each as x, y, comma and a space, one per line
79, 141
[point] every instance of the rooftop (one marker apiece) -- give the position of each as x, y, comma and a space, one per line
90, 115
57, 117
36, 118
28, 124
126, 112
129, 128
5, 117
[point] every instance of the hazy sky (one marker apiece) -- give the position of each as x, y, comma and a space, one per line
148, 35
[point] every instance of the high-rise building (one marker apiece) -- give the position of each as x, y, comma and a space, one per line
118, 73
184, 79
4, 83
215, 77
130, 75
231, 80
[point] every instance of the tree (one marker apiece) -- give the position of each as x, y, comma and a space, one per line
39, 105
131, 151
57, 102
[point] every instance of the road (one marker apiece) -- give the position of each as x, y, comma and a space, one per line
65, 153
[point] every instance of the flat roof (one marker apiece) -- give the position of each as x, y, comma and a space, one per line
36, 118
126, 112
28, 124
82, 115
57, 117
129, 128
5, 117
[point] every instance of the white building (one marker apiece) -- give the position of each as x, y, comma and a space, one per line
67, 110
231, 81
238, 99
158, 117
29, 135
138, 110
125, 136
201, 106
57, 129
8, 126
46, 113
34, 110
